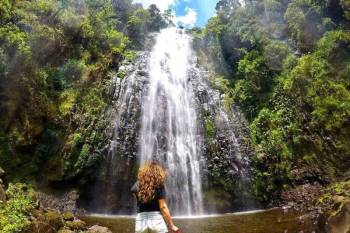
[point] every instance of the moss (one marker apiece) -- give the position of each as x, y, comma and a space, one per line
121, 74
68, 216
74, 139
130, 55
54, 219
221, 83
209, 128
68, 98
65, 231
75, 225
228, 102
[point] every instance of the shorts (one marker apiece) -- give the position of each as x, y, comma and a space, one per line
150, 222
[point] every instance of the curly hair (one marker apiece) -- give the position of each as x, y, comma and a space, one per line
150, 177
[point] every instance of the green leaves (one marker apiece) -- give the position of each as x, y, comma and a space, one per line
346, 8
289, 71
15, 213
307, 24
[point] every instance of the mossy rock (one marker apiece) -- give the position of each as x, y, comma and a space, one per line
339, 222
65, 231
68, 216
2, 193
42, 222
54, 219
2, 172
76, 225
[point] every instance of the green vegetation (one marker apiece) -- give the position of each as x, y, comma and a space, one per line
56, 58
15, 213
287, 65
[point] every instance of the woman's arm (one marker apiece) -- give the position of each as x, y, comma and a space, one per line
164, 210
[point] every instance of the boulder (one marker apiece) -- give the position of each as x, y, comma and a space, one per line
2, 173
98, 229
2, 192
75, 225
63, 203
339, 222
2, 188
68, 216
65, 231
44, 222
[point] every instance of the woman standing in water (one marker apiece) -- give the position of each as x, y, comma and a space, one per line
153, 213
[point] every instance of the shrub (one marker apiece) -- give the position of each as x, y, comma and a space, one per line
15, 213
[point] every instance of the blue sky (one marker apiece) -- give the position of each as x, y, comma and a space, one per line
188, 12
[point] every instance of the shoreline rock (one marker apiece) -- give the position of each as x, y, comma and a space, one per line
328, 207
2, 188
64, 203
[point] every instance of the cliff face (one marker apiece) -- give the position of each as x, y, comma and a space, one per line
221, 136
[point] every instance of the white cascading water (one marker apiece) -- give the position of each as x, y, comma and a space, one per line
169, 125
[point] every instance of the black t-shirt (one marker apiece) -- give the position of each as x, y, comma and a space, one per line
152, 205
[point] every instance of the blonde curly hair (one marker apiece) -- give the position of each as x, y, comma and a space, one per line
150, 177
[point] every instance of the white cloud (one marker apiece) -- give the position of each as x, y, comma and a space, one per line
188, 20
161, 4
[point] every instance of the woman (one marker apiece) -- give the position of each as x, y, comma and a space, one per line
150, 195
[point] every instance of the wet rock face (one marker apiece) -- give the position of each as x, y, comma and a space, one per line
119, 165
226, 146
221, 134
303, 198
64, 203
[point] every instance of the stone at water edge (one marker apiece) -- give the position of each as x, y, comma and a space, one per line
66, 203
340, 222
2, 193
65, 231
76, 224
2, 172
2, 189
98, 229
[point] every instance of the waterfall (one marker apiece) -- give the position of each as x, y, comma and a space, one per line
169, 123
160, 112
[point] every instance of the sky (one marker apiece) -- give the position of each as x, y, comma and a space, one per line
188, 13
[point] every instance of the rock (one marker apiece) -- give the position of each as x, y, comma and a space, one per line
302, 198
2, 173
2, 192
340, 221
65, 231
76, 225
42, 222
2, 188
98, 229
54, 219
68, 216
64, 203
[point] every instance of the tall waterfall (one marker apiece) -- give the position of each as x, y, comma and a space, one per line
169, 123
161, 111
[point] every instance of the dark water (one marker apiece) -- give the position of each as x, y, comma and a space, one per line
268, 221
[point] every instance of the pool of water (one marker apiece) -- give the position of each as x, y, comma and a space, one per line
266, 221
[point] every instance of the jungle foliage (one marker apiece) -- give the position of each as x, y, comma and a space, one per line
57, 60
15, 213
288, 67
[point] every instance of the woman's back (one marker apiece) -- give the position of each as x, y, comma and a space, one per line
153, 213
151, 205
